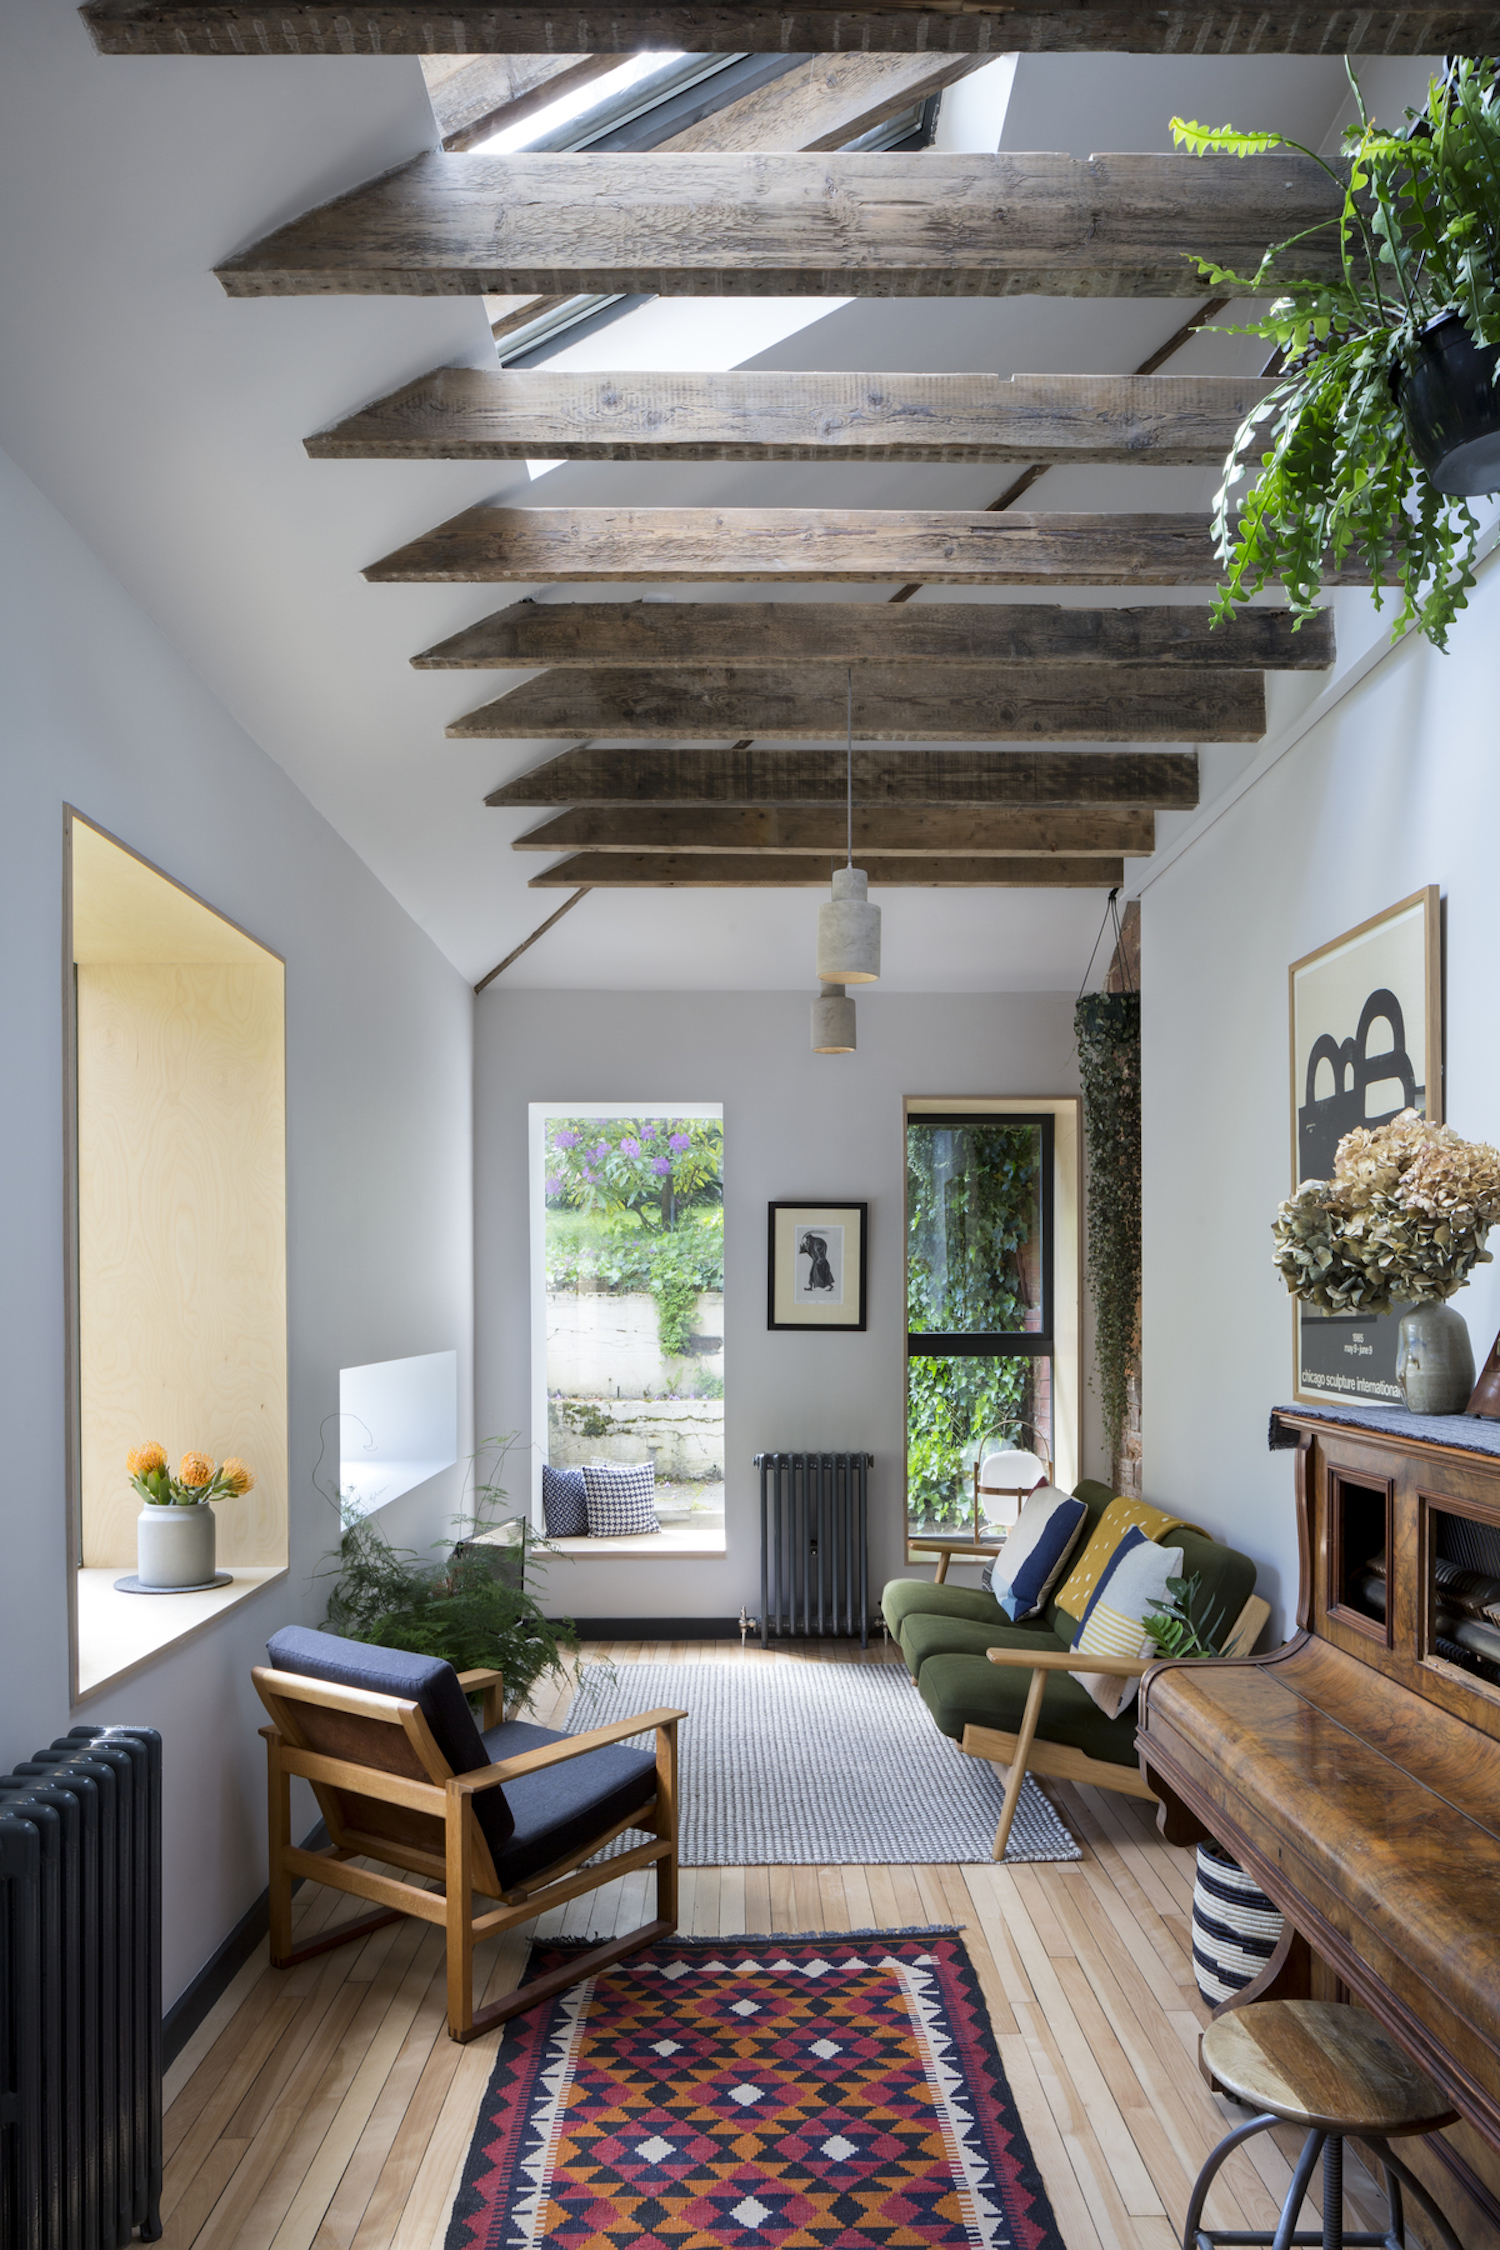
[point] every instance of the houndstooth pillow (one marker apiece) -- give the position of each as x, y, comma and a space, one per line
621, 1502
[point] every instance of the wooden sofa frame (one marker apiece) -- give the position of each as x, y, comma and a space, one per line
390, 1756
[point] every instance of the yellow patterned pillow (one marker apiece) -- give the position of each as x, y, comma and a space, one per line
1119, 1517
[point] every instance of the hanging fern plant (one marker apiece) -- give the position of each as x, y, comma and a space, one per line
1108, 1028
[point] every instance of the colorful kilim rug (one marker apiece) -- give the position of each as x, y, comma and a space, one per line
837, 2092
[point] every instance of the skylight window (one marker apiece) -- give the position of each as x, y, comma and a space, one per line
584, 107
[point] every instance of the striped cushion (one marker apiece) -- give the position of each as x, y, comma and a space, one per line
1112, 1624
621, 1502
565, 1508
1033, 1558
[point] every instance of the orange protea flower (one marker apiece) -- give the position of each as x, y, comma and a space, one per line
142, 1458
195, 1469
236, 1476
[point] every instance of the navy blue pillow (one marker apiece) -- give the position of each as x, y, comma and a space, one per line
565, 1508
1030, 1563
428, 1681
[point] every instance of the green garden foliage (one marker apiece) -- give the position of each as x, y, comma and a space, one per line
1323, 469
474, 1606
638, 1203
973, 1197
1108, 1027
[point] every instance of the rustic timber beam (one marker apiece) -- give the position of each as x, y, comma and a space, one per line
1018, 779
984, 27
655, 871
849, 224
900, 831
825, 103
669, 635
809, 703
874, 546
473, 96
509, 414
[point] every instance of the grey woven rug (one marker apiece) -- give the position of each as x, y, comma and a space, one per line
827, 1765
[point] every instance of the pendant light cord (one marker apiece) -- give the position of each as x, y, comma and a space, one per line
849, 769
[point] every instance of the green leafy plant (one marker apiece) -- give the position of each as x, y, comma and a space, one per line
654, 1167
1173, 1628
1108, 1030
1325, 462
473, 1606
950, 1402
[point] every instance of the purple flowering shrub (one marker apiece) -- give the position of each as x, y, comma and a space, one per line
658, 1168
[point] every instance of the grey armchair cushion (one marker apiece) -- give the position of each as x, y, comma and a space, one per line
561, 1807
428, 1681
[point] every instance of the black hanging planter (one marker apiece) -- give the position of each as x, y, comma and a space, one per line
1451, 407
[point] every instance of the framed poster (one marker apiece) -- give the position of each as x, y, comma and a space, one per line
1367, 1042
817, 1265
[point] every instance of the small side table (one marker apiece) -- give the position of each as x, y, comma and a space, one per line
1332, 2070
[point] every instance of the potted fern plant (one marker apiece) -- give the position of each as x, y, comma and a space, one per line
1386, 415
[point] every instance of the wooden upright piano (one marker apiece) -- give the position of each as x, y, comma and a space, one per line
1356, 1770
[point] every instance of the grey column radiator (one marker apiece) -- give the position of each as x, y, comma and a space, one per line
814, 1544
80, 1993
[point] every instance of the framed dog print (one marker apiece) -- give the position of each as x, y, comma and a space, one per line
1367, 1042
817, 1265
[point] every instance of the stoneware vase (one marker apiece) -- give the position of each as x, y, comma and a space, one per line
175, 1546
1434, 1360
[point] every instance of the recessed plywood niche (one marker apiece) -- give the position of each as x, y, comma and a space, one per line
181, 1200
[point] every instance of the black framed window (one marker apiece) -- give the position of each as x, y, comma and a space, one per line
980, 1305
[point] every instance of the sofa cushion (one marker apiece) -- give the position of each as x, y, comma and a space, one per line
428, 1681
1032, 1560
561, 1807
918, 1597
924, 1635
1133, 1585
963, 1691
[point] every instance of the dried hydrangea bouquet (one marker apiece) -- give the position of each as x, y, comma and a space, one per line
1403, 1221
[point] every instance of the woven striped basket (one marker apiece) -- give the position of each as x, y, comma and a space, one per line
1236, 1929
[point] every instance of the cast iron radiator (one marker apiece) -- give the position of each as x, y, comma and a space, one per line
814, 1540
80, 1993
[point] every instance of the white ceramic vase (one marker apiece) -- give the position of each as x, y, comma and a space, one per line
175, 1546
1434, 1359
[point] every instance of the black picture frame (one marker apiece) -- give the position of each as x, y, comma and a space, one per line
811, 1248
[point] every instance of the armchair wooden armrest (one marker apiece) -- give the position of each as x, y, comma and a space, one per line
1041, 1662
554, 1753
491, 1684
946, 1549
1044, 1660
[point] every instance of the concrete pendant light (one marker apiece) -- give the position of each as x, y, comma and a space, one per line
849, 926
833, 1022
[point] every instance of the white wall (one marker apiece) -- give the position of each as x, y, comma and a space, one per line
97, 710
795, 1125
1397, 786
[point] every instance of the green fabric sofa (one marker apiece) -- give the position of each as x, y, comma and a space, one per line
944, 1632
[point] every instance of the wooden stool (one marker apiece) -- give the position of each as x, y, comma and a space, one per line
1331, 2069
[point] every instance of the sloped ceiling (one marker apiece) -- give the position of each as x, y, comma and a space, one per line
166, 421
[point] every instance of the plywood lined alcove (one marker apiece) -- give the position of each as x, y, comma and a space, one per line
181, 1199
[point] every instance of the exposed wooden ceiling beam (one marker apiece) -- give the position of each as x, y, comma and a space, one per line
857, 224
900, 831
874, 546
826, 102
508, 414
669, 635
809, 703
656, 871
473, 96
366, 27
1020, 779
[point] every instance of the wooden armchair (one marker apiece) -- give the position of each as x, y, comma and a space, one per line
511, 1814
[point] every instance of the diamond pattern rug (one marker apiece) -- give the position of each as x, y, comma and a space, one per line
837, 2092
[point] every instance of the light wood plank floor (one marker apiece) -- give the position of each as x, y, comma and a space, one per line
325, 2108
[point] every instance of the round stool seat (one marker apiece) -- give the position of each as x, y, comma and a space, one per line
1322, 2066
